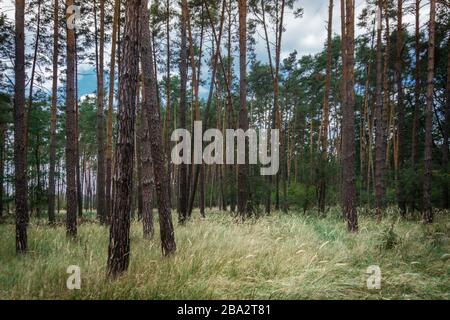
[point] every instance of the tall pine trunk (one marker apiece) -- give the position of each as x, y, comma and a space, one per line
445, 167
325, 116
71, 154
400, 112
146, 175
427, 209
53, 117
182, 180
101, 212
109, 152
348, 119
379, 122
243, 116
119, 238
151, 108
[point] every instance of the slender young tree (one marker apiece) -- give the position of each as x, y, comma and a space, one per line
243, 116
323, 139
51, 174
416, 123
101, 213
109, 152
427, 209
119, 237
20, 153
445, 144
151, 108
71, 154
183, 183
400, 111
348, 119
379, 127
168, 97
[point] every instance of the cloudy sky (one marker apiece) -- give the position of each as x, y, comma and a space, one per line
306, 35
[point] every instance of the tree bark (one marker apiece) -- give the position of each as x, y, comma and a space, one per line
183, 184
400, 111
323, 139
119, 240
146, 176
445, 167
348, 118
427, 209
109, 151
2, 164
243, 208
53, 117
151, 108
101, 212
379, 123
71, 155
415, 128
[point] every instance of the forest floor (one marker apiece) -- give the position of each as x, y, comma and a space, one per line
282, 256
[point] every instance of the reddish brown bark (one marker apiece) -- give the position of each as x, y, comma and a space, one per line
348, 119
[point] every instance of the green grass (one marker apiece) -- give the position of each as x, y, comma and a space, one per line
281, 256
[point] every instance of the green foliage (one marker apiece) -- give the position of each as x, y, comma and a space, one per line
301, 196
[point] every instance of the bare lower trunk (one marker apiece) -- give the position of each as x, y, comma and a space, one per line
109, 152
71, 156
379, 135
151, 108
146, 176
325, 117
348, 118
427, 209
119, 241
183, 184
52, 151
101, 212
445, 167
400, 111
243, 117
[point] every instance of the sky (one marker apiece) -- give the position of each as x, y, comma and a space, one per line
306, 35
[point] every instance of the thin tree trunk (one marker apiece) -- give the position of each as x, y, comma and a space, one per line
53, 117
379, 135
386, 93
2, 164
79, 184
348, 118
109, 151
427, 209
168, 103
415, 128
445, 167
71, 156
243, 208
400, 111
183, 183
101, 212
323, 136
151, 108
